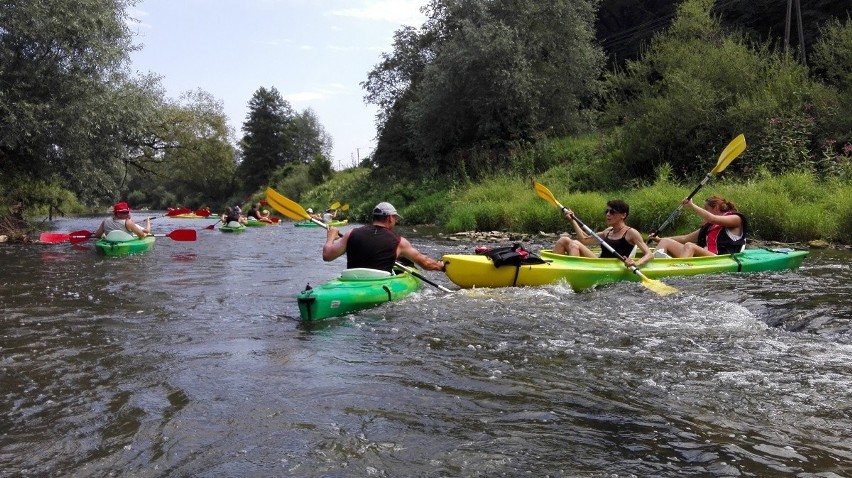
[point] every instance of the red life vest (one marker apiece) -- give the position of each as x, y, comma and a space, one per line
711, 237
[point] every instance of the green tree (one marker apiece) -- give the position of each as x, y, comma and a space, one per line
69, 113
309, 137
695, 88
197, 164
485, 75
267, 143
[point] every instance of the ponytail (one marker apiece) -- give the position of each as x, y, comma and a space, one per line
723, 204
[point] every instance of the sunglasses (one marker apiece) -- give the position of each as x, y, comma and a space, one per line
612, 211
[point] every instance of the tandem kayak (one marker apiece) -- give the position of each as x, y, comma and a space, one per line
111, 248
467, 270
313, 224
232, 226
354, 289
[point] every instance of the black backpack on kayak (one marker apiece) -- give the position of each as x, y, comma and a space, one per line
513, 255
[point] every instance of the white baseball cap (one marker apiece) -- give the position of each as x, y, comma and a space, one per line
385, 209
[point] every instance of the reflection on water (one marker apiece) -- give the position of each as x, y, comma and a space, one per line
189, 361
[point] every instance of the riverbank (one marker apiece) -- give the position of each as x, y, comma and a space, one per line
546, 240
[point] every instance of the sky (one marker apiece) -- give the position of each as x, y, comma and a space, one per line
314, 52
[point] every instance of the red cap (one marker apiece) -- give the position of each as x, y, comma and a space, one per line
120, 208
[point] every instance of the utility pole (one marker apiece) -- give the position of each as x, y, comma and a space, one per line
800, 27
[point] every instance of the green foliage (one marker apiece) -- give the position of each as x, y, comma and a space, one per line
198, 165
310, 140
809, 221
670, 107
292, 180
320, 170
68, 109
651, 206
841, 203
832, 54
429, 209
495, 204
484, 76
268, 142
36, 197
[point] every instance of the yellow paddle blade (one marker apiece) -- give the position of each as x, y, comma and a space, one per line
657, 286
285, 206
545, 194
344, 207
334, 205
730, 153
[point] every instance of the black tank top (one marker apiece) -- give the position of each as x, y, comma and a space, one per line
373, 247
621, 246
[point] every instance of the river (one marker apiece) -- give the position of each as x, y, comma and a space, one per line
190, 361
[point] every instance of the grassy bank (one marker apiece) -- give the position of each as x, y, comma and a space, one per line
793, 207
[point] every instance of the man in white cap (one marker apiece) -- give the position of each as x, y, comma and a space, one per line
375, 246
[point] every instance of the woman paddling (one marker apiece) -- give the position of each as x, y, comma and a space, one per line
619, 235
723, 232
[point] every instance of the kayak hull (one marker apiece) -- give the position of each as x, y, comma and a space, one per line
234, 228
313, 224
344, 295
257, 223
584, 273
123, 248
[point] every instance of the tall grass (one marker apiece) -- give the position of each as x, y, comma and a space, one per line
795, 206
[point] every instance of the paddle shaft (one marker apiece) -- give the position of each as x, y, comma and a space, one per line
606, 245
730, 153
680, 206
176, 235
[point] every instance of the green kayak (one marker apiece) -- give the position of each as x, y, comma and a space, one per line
109, 247
232, 226
313, 224
353, 290
252, 222
468, 270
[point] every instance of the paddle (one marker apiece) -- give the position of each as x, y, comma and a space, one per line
654, 285
344, 207
295, 211
334, 205
58, 237
176, 235
213, 226
729, 154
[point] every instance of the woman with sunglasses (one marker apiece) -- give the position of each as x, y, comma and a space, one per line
723, 232
619, 235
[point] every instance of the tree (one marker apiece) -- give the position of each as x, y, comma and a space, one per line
268, 141
68, 110
197, 164
486, 75
669, 107
309, 137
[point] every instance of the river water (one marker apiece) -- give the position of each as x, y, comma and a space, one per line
189, 361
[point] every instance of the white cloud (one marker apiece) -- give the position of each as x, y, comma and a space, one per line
405, 12
317, 94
